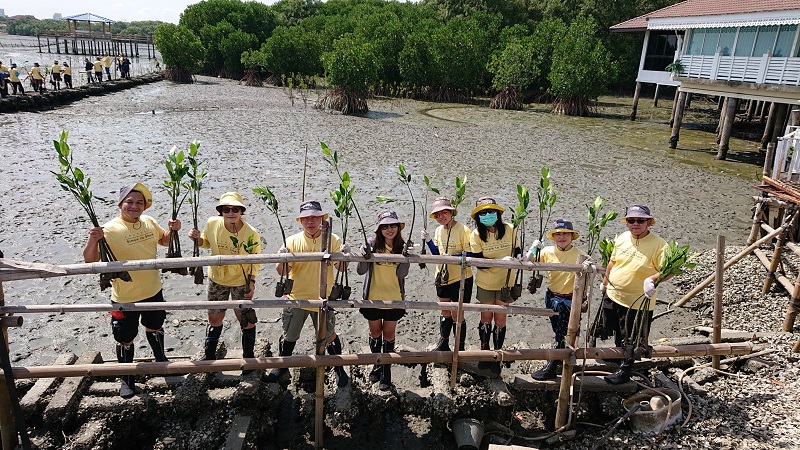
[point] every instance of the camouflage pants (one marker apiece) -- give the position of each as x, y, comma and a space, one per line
221, 293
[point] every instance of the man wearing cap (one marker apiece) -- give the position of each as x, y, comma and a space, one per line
450, 238
38, 78
629, 285
131, 236
227, 234
305, 276
492, 239
559, 285
55, 70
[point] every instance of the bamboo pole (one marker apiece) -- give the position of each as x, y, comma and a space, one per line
770, 201
8, 432
322, 320
225, 365
10, 270
776, 256
757, 221
704, 284
563, 406
782, 279
459, 320
716, 335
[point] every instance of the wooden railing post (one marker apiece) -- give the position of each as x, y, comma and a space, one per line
322, 320
562, 409
716, 335
459, 320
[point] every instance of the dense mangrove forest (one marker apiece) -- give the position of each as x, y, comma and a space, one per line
514, 51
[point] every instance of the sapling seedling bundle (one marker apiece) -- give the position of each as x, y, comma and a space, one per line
250, 246
443, 276
73, 180
195, 184
284, 286
598, 221
405, 178
342, 197
428, 188
547, 197
518, 222
177, 168
332, 158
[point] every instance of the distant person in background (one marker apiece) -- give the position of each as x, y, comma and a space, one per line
37, 77
125, 68
158, 64
66, 71
13, 76
107, 66
88, 66
4, 74
97, 66
56, 71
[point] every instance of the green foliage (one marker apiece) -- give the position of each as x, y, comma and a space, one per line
675, 261
606, 249
545, 36
177, 167
196, 176
547, 197
461, 191
515, 65
582, 67
523, 202
72, 179
290, 50
351, 64
675, 67
291, 12
597, 221
179, 46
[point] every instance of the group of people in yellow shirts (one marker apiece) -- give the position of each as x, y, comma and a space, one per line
629, 278
57, 73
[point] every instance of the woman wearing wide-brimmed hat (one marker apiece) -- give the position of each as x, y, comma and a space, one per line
224, 235
450, 238
492, 239
558, 296
384, 281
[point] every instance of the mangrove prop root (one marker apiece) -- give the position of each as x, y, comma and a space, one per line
252, 78
178, 74
344, 102
573, 107
508, 98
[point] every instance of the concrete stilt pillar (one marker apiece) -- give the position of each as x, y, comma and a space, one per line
767, 136
676, 126
794, 117
722, 113
655, 97
721, 103
636, 100
727, 127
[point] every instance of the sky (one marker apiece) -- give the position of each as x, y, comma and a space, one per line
117, 10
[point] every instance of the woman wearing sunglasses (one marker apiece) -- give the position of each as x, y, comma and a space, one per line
493, 239
629, 285
384, 281
226, 234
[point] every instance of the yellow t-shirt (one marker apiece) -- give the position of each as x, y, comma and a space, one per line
218, 239
67, 71
36, 73
14, 77
306, 274
557, 281
98, 66
458, 242
55, 69
384, 284
634, 260
132, 241
106, 61
493, 278
3, 68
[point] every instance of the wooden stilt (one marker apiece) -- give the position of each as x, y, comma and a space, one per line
769, 160
716, 335
459, 320
322, 320
762, 106
636, 93
722, 114
781, 116
727, 128
794, 117
655, 96
767, 136
751, 109
674, 107
688, 100
756, 228
562, 409
676, 126
776, 256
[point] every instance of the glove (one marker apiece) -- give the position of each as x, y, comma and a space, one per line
425, 236
410, 250
363, 249
603, 288
508, 258
533, 250
346, 248
649, 288
283, 249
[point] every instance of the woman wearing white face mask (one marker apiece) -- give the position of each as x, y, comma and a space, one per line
493, 239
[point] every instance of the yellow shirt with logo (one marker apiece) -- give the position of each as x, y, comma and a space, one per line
106, 61
14, 75
384, 283
129, 242
557, 281
454, 244
634, 260
306, 274
36, 73
55, 69
218, 239
67, 71
493, 278
98, 66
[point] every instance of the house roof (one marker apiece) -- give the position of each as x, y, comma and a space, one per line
88, 17
700, 8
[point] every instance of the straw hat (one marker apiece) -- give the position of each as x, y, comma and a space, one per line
441, 204
562, 226
485, 203
388, 217
124, 191
311, 208
230, 199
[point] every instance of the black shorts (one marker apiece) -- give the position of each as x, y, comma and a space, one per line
451, 290
125, 324
392, 315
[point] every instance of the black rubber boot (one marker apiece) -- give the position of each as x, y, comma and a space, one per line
212, 339
375, 346
335, 348
498, 338
386, 373
623, 375
156, 340
445, 325
127, 386
485, 333
286, 349
550, 370
463, 335
248, 346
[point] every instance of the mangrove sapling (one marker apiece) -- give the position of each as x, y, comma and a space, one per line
73, 180
343, 199
195, 184
250, 247
597, 221
284, 285
461, 189
518, 221
332, 158
597, 330
405, 178
547, 197
428, 188
177, 168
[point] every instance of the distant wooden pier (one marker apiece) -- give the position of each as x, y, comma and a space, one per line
95, 44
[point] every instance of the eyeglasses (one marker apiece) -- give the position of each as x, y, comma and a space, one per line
485, 212
632, 221
388, 225
234, 209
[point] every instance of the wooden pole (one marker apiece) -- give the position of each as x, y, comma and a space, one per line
756, 228
727, 128
322, 320
674, 107
767, 136
716, 335
704, 284
636, 93
8, 430
459, 320
769, 160
562, 409
776, 255
655, 97
676, 126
